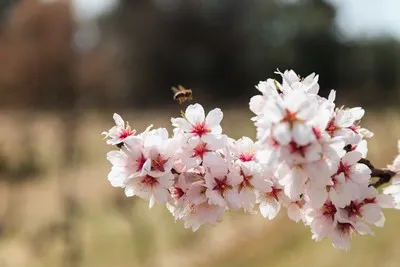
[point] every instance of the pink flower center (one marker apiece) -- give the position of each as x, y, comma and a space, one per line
126, 132
246, 181
353, 209
290, 117
200, 129
221, 185
200, 150
275, 143
176, 192
297, 149
329, 210
245, 157
345, 228
331, 127
140, 162
345, 169
149, 180
274, 193
158, 163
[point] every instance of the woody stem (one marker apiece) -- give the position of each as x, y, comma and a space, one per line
384, 175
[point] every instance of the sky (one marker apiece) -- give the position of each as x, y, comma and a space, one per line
368, 18
355, 18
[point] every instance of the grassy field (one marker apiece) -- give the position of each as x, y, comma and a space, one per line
116, 231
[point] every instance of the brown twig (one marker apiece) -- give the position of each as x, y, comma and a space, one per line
384, 175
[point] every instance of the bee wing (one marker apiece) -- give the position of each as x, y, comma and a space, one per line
174, 89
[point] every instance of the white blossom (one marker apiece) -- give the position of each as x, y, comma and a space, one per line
307, 157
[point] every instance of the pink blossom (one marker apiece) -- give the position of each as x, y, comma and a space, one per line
119, 132
221, 183
195, 123
254, 179
289, 118
243, 149
198, 150
271, 200
196, 215
153, 189
305, 158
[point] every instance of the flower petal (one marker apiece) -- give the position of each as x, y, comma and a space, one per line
182, 124
257, 104
214, 142
302, 133
118, 120
282, 133
195, 114
294, 212
317, 196
232, 199
214, 197
351, 157
371, 213
166, 181
274, 110
214, 118
269, 208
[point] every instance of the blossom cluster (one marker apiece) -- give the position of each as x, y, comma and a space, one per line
306, 158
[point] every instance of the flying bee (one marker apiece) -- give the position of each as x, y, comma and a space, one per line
181, 94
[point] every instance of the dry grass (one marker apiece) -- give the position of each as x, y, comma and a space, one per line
138, 236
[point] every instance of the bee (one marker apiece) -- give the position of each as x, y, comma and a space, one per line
181, 94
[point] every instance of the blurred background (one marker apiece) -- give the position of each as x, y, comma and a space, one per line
67, 65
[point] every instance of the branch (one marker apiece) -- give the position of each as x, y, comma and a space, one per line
384, 175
